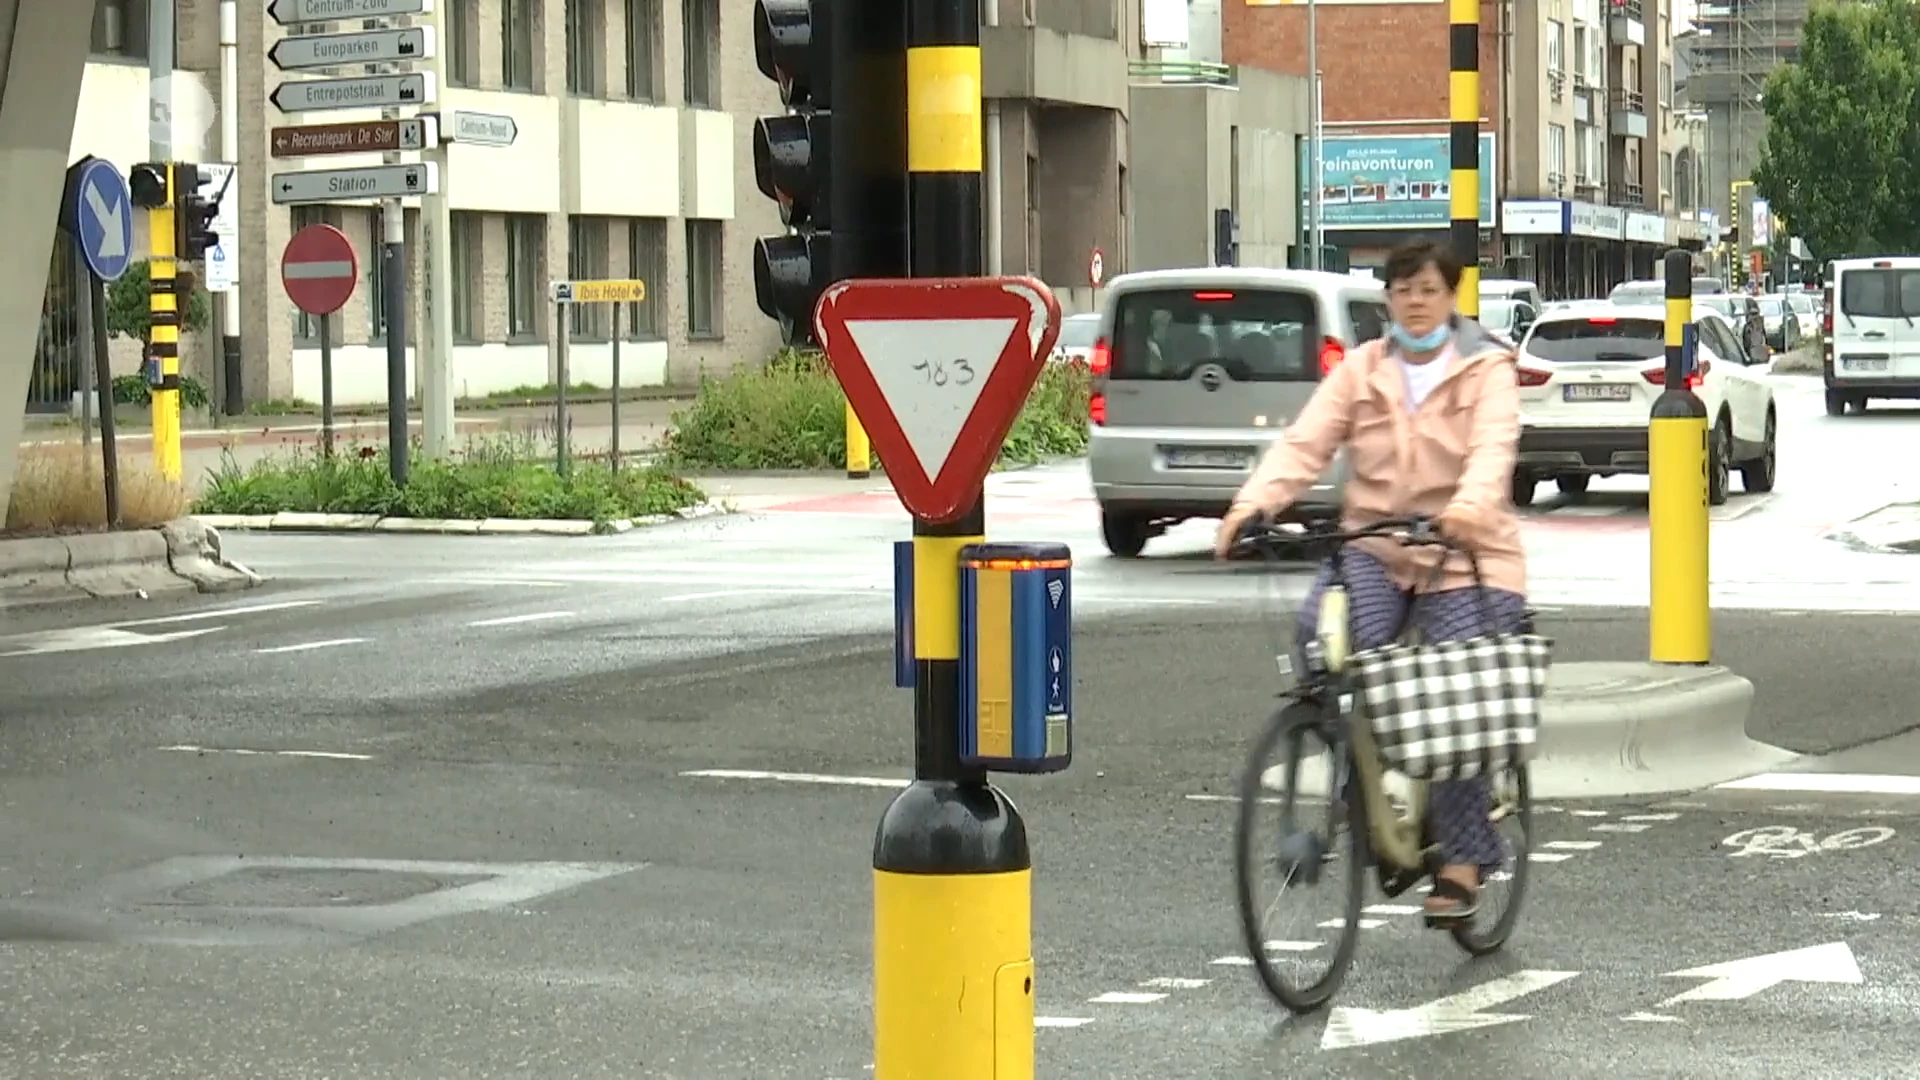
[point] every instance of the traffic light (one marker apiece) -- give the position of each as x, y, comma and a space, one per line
147, 185
792, 164
193, 217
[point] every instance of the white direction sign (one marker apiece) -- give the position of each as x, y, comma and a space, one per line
1347, 1028
372, 91
484, 129
345, 185
345, 50
289, 12
931, 372
223, 258
1736, 979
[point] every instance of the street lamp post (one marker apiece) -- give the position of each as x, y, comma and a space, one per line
1316, 236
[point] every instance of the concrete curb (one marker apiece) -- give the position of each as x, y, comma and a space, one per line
180, 556
339, 523
1892, 529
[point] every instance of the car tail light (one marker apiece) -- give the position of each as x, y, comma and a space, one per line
1602, 320
1658, 376
1331, 353
1533, 377
1098, 365
1213, 296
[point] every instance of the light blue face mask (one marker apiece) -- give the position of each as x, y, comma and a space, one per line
1426, 343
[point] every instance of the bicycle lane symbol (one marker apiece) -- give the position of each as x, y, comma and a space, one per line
1787, 842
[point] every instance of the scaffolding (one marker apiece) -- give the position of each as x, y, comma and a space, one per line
1737, 44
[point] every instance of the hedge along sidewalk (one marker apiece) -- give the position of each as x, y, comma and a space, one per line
791, 414
493, 486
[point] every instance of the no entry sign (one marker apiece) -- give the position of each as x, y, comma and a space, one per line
319, 269
937, 369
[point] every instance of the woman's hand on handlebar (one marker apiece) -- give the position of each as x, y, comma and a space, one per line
1233, 528
1459, 523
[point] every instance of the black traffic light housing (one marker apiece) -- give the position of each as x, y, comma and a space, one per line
147, 185
792, 162
193, 215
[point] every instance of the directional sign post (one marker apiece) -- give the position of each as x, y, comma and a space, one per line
294, 12
99, 217
341, 50
345, 185
319, 270
609, 291
405, 90
103, 216
482, 129
937, 369
364, 137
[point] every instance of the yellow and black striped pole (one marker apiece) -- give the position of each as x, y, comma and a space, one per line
953, 883
163, 336
1463, 109
1678, 618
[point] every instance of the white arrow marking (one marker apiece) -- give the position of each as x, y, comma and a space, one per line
1736, 979
83, 638
112, 244
1348, 1028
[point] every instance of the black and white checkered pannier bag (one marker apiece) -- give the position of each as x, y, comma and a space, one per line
1454, 710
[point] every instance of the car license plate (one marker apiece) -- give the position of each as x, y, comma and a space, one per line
1864, 363
1179, 457
1597, 392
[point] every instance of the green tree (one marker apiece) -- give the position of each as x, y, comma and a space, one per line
127, 307
1843, 126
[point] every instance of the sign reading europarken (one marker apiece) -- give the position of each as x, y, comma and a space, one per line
622, 291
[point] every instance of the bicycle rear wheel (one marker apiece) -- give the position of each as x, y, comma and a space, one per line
1503, 891
1322, 831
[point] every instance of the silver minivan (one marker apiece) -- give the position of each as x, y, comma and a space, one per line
1196, 372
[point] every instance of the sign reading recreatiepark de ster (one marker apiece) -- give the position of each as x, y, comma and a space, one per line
1393, 182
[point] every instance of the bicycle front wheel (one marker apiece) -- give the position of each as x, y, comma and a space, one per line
1299, 826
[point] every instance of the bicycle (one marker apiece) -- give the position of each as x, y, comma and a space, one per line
1320, 707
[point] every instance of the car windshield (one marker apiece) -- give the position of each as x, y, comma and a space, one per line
1497, 314
1801, 303
1638, 292
1257, 335
1722, 304
1079, 332
1599, 338
1772, 307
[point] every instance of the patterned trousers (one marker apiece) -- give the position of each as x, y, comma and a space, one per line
1456, 809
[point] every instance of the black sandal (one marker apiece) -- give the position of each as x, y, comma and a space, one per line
1466, 902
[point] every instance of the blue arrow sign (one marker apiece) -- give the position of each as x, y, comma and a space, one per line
103, 213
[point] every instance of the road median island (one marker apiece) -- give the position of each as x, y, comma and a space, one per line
495, 485
178, 556
791, 415
1625, 728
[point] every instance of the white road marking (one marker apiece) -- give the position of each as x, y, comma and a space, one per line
1548, 856
1393, 909
1588, 813
1061, 1021
1166, 983
1364, 924
330, 755
1652, 1018
798, 778
1828, 783
1737, 979
1232, 961
1348, 1027
1620, 828
308, 646
221, 613
1571, 845
528, 583
1852, 916
1125, 997
515, 620
1290, 946
1650, 817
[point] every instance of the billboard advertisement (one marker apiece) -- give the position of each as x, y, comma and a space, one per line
1393, 182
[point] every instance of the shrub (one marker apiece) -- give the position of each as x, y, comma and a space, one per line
791, 414
60, 488
133, 390
128, 309
490, 479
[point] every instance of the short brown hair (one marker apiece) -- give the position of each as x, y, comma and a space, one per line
1411, 258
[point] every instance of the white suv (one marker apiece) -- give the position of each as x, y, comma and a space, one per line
1589, 374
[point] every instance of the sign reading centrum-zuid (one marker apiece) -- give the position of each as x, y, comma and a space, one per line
1393, 182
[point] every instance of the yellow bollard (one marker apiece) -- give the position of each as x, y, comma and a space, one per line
859, 450
1679, 621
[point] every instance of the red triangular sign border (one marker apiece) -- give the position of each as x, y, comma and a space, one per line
948, 496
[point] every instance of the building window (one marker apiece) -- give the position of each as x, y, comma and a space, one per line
701, 21
459, 23
1582, 154
1666, 174
306, 328
704, 277
1666, 85
587, 261
1556, 156
463, 268
1556, 46
526, 255
644, 18
516, 44
1582, 75
584, 38
646, 260
120, 29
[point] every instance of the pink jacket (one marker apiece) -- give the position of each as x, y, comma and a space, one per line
1457, 449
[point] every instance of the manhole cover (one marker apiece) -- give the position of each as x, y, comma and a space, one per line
302, 887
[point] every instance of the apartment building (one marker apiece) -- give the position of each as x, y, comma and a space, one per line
1729, 50
1576, 121
633, 159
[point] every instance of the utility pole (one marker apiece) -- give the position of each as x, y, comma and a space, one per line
1463, 106
231, 371
1315, 180
434, 357
163, 302
393, 301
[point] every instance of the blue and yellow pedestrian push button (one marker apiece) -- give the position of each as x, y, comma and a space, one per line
1016, 657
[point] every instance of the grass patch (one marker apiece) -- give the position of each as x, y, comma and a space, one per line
60, 488
791, 414
492, 478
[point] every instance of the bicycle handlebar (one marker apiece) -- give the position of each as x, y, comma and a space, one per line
1413, 531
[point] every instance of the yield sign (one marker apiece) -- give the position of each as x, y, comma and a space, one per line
937, 369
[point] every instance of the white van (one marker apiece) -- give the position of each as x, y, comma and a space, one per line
1873, 330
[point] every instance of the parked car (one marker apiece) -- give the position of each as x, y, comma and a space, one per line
1649, 291
1507, 320
1588, 379
1196, 372
1873, 332
1510, 289
1077, 335
1781, 322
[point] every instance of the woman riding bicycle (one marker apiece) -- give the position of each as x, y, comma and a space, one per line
1430, 420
